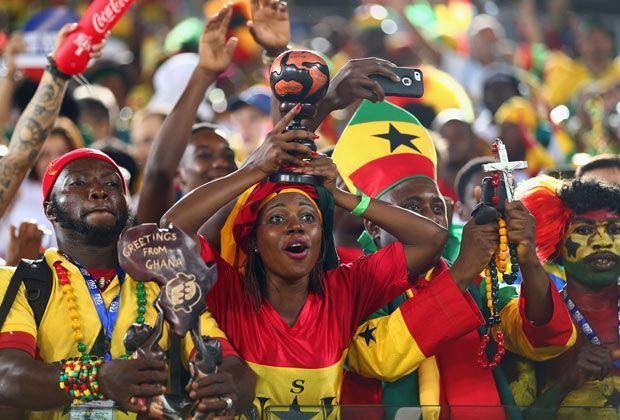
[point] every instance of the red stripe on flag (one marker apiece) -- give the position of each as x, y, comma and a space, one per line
379, 174
557, 331
454, 313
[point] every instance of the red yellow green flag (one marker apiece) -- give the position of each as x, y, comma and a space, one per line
382, 146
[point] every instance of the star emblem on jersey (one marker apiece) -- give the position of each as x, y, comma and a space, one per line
294, 412
396, 139
367, 334
613, 400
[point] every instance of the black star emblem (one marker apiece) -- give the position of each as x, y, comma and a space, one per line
571, 247
396, 138
367, 334
613, 400
294, 412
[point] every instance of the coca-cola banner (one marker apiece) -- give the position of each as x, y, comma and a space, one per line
40, 35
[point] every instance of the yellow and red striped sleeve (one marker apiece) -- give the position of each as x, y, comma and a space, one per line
538, 342
392, 346
19, 330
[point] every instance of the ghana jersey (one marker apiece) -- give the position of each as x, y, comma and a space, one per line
303, 364
53, 340
421, 366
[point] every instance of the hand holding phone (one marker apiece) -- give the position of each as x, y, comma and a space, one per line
411, 84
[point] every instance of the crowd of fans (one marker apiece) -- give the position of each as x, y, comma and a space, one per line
550, 90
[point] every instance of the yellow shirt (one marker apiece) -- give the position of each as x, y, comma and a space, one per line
564, 77
53, 341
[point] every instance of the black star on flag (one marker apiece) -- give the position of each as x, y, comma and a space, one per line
294, 412
396, 138
367, 334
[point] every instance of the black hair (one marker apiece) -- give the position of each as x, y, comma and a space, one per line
255, 285
584, 195
95, 108
605, 161
126, 161
423, 112
465, 174
203, 126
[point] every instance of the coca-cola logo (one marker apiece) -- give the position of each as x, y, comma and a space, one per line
101, 21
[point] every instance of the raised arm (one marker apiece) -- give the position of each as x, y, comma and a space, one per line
157, 194
422, 238
193, 210
7, 85
33, 127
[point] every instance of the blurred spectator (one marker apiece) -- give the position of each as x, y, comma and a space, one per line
461, 143
144, 128
26, 205
467, 180
98, 117
605, 168
250, 116
169, 81
563, 76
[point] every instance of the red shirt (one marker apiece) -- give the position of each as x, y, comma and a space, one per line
303, 364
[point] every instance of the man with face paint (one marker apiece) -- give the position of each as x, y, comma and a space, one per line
424, 344
578, 235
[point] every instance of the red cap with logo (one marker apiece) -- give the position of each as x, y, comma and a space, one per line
57, 165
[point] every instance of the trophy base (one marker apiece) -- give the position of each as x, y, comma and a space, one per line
295, 178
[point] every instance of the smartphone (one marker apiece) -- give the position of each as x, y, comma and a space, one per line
411, 83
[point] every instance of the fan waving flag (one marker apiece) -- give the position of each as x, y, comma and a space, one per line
382, 146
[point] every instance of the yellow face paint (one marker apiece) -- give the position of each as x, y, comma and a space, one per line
591, 250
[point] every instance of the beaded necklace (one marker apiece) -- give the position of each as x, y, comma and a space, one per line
76, 325
498, 262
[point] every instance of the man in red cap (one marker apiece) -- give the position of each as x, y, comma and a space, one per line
85, 199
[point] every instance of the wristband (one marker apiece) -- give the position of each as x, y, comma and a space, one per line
78, 379
362, 205
53, 69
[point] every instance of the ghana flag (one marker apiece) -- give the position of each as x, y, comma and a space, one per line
382, 146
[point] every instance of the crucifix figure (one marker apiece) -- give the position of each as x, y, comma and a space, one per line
504, 166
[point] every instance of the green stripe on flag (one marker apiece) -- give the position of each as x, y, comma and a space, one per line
381, 111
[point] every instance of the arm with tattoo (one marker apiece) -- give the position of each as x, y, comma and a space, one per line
33, 127
30, 133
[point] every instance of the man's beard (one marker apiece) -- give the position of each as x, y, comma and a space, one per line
96, 234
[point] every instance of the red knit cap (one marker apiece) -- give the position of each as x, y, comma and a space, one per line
57, 165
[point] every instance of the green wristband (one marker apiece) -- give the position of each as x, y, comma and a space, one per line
362, 206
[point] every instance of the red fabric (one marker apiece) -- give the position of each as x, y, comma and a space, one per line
358, 390
464, 382
454, 314
379, 174
227, 349
56, 166
248, 213
348, 254
557, 331
18, 340
447, 190
326, 323
552, 217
